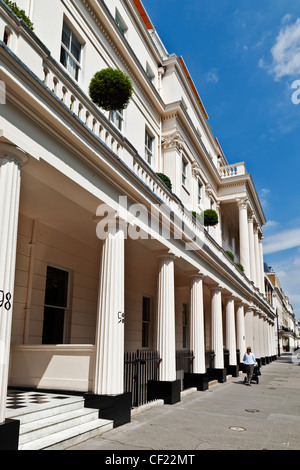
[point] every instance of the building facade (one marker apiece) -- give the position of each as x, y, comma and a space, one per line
99, 257
286, 325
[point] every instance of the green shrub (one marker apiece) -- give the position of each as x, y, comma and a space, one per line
231, 255
19, 13
165, 179
240, 266
110, 89
210, 217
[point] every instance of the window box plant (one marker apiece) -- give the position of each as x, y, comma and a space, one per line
165, 179
19, 13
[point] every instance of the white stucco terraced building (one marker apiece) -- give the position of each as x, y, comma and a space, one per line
74, 303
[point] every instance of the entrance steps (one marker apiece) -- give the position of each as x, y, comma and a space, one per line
60, 425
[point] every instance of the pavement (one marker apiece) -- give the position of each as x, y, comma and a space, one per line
228, 416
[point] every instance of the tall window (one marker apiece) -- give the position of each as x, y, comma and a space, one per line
117, 117
184, 325
199, 193
184, 171
70, 54
149, 73
55, 306
146, 317
149, 147
121, 24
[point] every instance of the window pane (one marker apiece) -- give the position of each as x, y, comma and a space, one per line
66, 35
63, 57
145, 335
53, 328
75, 48
146, 309
56, 287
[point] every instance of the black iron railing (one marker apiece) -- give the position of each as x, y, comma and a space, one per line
139, 368
184, 364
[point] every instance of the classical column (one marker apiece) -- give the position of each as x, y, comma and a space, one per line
264, 340
197, 340
217, 327
251, 249
261, 339
166, 318
11, 160
244, 235
197, 344
109, 368
231, 336
240, 330
257, 259
167, 388
261, 263
108, 391
249, 326
256, 335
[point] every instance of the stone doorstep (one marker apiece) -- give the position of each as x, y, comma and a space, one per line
57, 426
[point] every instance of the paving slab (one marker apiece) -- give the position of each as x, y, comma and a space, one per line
228, 416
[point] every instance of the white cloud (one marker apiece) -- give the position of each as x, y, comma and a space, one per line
282, 241
286, 18
270, 224
286, 51
212, 76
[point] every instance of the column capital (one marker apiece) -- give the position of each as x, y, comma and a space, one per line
164, 254
242, 202
11, 152
196, 275
216, 289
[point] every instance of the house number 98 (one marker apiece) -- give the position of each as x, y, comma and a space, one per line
5, 300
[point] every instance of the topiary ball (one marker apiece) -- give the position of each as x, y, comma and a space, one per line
210, 217
110, 89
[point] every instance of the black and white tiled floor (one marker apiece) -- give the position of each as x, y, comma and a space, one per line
23, 401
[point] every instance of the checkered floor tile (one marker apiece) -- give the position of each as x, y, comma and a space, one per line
17, 399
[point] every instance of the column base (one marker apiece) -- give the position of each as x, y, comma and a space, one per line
169, 391
263, 361
196, 380
114, 407
217, 374
9, 434
258, 360
242, 367
267, 360
233, 370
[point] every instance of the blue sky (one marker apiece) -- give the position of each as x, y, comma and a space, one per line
244, 58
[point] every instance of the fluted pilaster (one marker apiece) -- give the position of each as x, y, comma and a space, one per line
244, 235
109, 368
240, 329
166, 318
197, 344
230, 331
217, 327
11, 160
251, 250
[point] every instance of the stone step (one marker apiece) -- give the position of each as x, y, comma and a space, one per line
54, 407
42, 427
63, 439
53, 421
